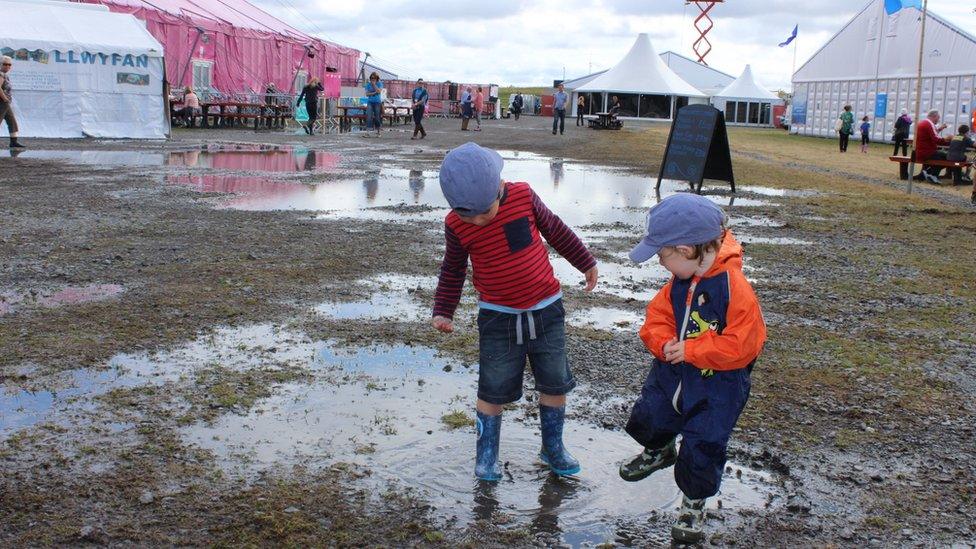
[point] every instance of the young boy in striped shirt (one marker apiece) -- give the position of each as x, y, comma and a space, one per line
500, 225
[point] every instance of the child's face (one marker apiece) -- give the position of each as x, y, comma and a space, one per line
677, 260
482, 219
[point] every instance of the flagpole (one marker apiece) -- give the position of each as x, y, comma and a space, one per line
795, 40
918, 97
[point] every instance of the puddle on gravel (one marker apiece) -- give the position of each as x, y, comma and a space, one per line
605, 318
236, 157
391, 298
580, 194
11, 301
381, 408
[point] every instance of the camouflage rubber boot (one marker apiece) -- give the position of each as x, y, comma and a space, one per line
648, 461
690, 526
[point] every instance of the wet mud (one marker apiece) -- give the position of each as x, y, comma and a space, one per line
245, 315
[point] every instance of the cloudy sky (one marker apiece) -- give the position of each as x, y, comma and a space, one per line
526, 42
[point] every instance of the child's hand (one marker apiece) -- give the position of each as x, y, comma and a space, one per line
591, 277
674, 351
442, 324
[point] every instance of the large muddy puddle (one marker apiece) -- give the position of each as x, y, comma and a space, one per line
383, 409
231, 157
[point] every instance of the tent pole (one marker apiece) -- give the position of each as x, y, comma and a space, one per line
918, 96
298, 69
189, 58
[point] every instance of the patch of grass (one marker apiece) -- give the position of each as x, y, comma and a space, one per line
457, 419
225, 389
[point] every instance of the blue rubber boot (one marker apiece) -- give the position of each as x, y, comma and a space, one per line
486, 465
553, 452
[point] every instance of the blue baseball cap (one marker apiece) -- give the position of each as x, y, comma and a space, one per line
684, 219
470, 177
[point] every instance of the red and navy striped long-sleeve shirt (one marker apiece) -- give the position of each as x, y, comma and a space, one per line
510, 263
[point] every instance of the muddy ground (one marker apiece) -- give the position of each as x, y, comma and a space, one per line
860, 422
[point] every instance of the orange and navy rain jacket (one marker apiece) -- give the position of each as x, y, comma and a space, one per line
725, 331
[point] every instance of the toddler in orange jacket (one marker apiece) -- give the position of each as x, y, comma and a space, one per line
705, 330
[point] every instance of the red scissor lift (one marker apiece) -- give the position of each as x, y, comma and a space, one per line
703, 24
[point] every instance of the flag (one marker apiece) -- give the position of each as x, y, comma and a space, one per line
892, 6
791, 38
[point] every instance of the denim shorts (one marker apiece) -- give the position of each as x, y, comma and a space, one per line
505, 342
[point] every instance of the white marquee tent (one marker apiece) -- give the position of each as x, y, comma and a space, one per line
645, 85
871, 64
80, 70
746, 102
708, 80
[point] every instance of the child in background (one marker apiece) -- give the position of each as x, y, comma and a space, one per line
865, 134
705, 330
958, 146
500, 226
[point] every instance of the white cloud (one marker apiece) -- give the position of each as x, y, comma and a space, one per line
527, 42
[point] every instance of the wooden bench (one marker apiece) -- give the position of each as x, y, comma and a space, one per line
954, 167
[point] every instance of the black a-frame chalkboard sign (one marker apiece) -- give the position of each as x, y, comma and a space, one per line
698, 148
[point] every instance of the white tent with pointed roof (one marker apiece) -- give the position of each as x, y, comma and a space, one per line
744, 101
746, 87
645, 85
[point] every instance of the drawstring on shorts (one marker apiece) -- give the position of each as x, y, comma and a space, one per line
518, 327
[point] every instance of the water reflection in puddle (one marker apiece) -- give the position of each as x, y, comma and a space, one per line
381, 408
250, 157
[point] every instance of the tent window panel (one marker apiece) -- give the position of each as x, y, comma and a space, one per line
730, 111
594, 103
753, 113
764, 114
655, 106
202, 76
301, 80
628, 103
740, 112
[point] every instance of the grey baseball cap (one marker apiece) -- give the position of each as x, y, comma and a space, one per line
470, 177
684, 219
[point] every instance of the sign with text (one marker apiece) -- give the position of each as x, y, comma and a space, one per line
881, 105
698, 148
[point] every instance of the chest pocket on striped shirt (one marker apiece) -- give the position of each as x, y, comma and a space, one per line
518, 234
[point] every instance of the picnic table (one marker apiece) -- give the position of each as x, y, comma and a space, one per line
232, 113
953, 167
392, 114
605, 121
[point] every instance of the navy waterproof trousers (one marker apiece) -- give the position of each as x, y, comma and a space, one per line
703, 409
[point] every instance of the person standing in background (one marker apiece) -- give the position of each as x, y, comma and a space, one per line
310, 93
559, 103
420, 98
479, 105
517, 104
580, 106
865, 134
902, 127
466, 108
845, 127
374, 103
6, 101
